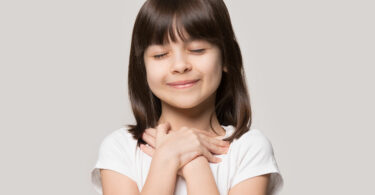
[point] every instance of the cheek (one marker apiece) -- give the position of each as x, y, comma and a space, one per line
211, 67
155, 75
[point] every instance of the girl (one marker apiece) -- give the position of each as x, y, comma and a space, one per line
190, 101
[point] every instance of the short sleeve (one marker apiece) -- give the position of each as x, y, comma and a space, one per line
114, 155
256, 157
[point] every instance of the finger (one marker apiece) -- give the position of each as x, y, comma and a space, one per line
213, 139
214, 148
151, 132
210, 157
148, 139
147, 149
217, 141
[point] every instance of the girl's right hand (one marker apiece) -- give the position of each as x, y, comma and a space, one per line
184, 144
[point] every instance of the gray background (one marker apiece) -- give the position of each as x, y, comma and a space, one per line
309, 67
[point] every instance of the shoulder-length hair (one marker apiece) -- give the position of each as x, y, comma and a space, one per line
202, 19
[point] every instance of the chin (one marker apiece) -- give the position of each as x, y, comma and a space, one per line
182, 103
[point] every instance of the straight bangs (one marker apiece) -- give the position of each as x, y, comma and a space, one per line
163, 20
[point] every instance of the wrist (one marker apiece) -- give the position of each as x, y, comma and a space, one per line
199, 162
166, 158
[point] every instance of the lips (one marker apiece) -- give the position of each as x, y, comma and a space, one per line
183, 82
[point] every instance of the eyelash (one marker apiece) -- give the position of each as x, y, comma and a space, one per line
162, 55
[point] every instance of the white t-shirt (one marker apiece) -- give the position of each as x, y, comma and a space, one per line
249, 156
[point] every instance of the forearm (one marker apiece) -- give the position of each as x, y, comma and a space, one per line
161, 178
199, 177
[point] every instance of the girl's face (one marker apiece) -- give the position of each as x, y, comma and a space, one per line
193, 60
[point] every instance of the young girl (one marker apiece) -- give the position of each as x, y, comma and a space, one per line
190, 101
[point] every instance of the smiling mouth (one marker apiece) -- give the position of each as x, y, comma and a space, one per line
185, 85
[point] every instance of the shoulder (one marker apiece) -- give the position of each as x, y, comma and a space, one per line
116, 153
254, 149
119, 139
254, 139
120, 135
255, 157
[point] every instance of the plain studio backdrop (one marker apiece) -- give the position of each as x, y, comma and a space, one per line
309, 68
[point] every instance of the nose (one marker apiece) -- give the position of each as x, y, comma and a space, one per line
180, 63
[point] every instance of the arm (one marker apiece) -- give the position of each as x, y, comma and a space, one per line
199, 178
161, 178
257, 164
114, 183
253, 186
186, 153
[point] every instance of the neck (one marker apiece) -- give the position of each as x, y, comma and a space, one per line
198, 117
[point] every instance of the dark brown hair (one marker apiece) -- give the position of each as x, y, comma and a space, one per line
201, 19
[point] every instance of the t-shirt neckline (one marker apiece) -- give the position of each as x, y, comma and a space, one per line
228, 131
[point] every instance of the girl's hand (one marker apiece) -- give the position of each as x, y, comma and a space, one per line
187, 143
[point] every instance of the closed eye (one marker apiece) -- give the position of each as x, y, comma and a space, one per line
159, 56
197, 50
